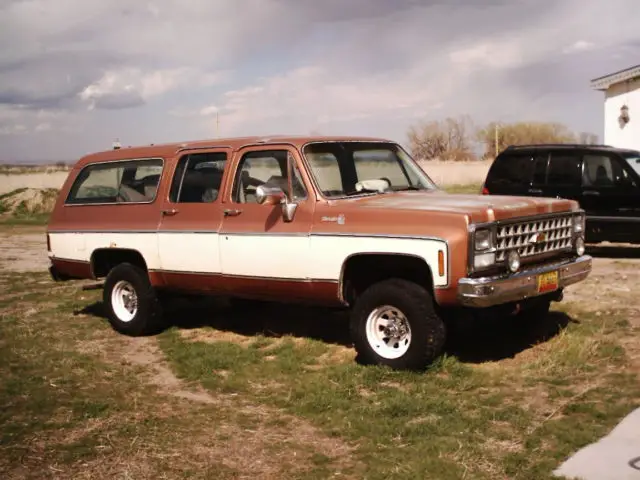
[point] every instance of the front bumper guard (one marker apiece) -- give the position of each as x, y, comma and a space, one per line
496, 290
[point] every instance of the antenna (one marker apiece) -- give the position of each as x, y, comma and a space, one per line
116, 145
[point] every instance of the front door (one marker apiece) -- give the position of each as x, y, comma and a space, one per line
190, 223
262, 255
610, 196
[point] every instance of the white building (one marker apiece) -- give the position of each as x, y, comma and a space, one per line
621, 107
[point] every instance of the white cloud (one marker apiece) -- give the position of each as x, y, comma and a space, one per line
493, 54
132, 86
15, 129
368, 66
579, 46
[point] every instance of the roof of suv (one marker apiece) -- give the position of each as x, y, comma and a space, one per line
168, 149
568, 146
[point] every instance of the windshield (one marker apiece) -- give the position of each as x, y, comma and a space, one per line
633, 158
355, 168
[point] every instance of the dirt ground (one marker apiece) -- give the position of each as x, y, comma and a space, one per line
23, 249
613, 282
611, 287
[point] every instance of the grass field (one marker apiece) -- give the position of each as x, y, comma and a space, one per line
276, 393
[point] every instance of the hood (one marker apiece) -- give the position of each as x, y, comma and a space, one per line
479, 208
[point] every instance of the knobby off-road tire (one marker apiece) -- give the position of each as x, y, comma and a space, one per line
142, 318
397, 298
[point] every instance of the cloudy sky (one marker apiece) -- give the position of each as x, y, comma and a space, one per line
76, 74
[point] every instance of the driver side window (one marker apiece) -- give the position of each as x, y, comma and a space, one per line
266, 167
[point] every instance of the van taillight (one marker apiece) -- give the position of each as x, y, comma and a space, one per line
485, 191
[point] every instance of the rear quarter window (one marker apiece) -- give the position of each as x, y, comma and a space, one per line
510, 172
129, 181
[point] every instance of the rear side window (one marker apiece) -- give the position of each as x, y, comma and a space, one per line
198, 178
510, 172
129, 181
540, 164
564, 170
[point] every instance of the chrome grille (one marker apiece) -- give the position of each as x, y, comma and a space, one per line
534, 237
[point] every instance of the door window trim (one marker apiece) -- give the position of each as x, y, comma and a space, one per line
236, 163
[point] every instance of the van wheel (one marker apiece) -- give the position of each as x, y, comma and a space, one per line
132, 305
394, 323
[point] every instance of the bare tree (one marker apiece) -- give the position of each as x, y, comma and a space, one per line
447, 139
496, 137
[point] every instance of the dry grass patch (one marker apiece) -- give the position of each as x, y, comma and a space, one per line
80, 401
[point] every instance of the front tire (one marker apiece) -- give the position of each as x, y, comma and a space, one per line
132, 305
394, 323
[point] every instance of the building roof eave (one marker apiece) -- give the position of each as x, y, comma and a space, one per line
606, 81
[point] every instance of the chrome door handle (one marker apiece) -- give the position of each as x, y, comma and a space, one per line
590, 192
535, 190
232, 212
169, 212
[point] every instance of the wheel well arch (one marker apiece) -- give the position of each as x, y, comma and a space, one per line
361, 270
104, 259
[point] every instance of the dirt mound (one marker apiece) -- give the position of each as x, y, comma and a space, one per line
28, 201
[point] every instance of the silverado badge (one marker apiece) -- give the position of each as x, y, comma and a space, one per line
538, 238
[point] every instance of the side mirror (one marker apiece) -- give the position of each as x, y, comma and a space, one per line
271, 195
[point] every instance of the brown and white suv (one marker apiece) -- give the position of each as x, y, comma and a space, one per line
328, 221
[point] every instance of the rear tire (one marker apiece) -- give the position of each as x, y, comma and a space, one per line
394, 323
131, 303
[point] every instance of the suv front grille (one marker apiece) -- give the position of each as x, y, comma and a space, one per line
535, 237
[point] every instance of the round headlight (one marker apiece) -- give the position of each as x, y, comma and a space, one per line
513, 260
580, 248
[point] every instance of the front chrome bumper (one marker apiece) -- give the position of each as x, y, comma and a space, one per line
490, 291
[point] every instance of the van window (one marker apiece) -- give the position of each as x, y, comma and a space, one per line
564, 170
129, 181
510, 172
540, 164
600, 170
198, 178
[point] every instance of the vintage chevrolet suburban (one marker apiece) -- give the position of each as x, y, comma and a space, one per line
345, 222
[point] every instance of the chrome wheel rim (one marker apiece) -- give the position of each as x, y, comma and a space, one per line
388, 332
124, 301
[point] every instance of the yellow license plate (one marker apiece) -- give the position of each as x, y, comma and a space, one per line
547, 282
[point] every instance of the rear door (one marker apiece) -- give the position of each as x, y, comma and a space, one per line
191, 220
539, 174
564, 175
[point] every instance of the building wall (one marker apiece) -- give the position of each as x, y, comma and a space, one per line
616, 96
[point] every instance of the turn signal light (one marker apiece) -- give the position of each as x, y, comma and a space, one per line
441, 263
